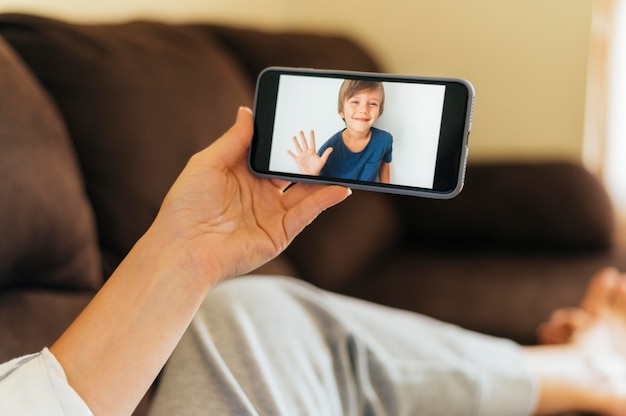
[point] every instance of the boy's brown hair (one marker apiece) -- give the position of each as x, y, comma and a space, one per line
351, 86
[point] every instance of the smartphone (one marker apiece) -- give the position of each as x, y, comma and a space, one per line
379, 132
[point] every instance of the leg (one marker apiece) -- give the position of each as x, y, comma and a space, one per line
276, 346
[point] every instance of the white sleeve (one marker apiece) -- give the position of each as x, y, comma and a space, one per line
35, 385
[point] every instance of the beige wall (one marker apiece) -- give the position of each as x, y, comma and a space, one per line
527, 59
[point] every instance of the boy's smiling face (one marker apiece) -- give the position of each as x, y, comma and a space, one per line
361, 111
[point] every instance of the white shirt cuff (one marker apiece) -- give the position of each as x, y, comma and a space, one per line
36, 385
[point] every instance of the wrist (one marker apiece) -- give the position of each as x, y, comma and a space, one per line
161, 254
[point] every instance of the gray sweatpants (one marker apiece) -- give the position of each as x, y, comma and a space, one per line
277, 346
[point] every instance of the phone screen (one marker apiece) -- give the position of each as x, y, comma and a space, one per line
370, 131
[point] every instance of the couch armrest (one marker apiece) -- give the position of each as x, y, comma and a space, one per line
540, 204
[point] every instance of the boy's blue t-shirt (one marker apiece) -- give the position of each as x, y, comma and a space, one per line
364, 165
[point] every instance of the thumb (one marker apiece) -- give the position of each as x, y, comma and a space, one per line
326, 154
236, 141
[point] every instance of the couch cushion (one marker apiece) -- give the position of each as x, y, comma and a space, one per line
47, 233
345, 243
138, 98
497, 292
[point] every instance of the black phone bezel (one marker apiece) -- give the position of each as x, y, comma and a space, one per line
453, 138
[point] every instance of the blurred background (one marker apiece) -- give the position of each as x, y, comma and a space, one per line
547, 73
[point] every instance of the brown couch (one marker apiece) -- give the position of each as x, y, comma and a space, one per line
96, 121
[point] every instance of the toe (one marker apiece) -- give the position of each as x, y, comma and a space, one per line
600, 291
619, 300
564, 325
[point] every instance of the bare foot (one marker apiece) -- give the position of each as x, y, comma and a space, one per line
566, 322
601, 333
587, 369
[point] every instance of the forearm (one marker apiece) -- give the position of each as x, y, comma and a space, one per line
117, 346
384, 174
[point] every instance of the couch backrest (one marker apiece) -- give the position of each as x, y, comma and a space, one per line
139, 98
47, 233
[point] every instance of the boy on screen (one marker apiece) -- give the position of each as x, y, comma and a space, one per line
360, 151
